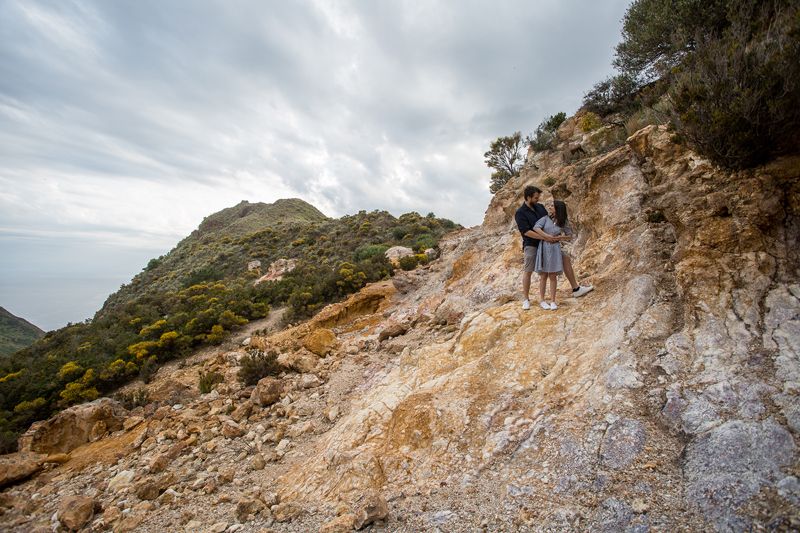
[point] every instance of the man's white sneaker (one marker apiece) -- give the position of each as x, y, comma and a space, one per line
526, 305
582, 291
553, 306
544, 305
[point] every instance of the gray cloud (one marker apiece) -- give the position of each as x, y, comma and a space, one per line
130, 121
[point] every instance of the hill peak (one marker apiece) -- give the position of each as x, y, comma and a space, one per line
246, 217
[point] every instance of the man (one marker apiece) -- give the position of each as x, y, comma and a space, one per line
526, 217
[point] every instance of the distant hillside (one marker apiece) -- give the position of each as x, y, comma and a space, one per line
201, 291
16, 333
218, 242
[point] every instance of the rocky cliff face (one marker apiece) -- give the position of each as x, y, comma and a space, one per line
667, 398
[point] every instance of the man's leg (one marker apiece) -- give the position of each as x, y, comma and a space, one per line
577, 290
568, 272
526, 284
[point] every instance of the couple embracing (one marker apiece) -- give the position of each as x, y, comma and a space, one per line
543, 229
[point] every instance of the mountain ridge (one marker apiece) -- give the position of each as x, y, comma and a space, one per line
16, 333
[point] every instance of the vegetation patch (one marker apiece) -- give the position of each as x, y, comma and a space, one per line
723, 74
207, 380
258, 364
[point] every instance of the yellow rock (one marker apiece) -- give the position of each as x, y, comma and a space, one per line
320, 342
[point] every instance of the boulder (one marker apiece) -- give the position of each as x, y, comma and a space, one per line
393, 329
57, 458
16, 467
242, 411
277, 269
300, 361
340, 524
131, 422
232, 430
320, 342
258, 462
372, 508
248, 507
395, 253
147, 490
286, 512
73, 427
121, 480
267, 391
162, 460
309, 381
74, 512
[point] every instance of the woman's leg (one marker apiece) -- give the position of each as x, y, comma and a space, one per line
542, 285
553, 283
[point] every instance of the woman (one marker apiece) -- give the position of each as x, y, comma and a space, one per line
549, 263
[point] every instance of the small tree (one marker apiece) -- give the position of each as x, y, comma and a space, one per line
545, 133
506, 158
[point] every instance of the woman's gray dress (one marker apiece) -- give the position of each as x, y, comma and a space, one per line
548, 255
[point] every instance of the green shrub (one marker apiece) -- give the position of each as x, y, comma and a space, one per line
207, 380
153, 263
408, 262
137, 397
424, 242
737, 98
549, 181
612, 95
646, 116
8, 441
545, 133
589, 121
200, 275
258, 364
371, 250
148, 369
399, 232
216, 336
29, 408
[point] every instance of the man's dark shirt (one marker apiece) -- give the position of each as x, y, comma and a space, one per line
526, 218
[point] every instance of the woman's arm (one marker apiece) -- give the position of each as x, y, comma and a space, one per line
538, 228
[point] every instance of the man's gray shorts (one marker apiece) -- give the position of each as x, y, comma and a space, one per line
530, 258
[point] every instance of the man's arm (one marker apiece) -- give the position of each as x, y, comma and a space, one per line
542, 236
525, 227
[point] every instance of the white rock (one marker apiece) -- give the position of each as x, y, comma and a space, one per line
121, 480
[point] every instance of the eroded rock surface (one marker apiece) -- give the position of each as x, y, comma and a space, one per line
666, 399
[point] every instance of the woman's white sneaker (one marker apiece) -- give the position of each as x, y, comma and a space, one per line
526, 304
544, 305
553, 306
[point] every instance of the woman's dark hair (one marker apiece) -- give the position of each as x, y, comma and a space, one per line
561, 213
530, 190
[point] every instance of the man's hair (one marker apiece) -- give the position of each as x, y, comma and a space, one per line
530, 190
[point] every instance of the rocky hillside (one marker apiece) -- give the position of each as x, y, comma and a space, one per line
664, 400
16, 333
239, 263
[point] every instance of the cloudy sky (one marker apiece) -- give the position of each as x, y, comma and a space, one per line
124, 123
